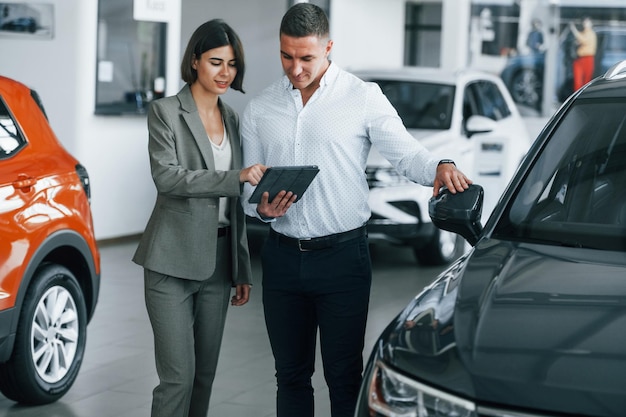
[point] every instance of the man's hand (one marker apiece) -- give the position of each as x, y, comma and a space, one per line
242, 295
450, 177
278, 206
252, 174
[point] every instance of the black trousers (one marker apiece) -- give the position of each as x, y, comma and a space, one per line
305, 290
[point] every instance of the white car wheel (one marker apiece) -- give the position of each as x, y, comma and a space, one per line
50, 339
54, 334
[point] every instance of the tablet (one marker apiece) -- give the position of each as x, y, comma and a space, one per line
289, 178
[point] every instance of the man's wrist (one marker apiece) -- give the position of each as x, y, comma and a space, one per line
446, 161
264, 218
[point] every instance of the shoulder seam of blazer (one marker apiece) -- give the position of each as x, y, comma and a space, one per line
186, 99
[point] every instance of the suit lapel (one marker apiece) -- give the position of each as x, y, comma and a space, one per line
191, 117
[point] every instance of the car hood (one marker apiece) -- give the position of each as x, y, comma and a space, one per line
519, 325
433, 140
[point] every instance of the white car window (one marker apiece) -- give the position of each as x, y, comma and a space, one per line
11, 139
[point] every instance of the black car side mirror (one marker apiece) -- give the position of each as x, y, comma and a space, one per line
459, 213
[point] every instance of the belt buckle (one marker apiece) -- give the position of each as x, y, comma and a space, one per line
300, 245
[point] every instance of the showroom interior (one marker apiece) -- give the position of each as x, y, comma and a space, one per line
100, 62
63, 68
90, 40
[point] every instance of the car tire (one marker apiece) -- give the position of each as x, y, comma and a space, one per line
527, 88
443, 248
50, 339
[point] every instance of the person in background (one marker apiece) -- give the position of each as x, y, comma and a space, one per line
194, 248
587, 43
316, 263
535, 38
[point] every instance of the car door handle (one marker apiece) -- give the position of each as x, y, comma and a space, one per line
24, 182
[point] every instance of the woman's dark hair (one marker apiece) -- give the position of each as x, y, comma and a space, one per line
212, 34
305, 19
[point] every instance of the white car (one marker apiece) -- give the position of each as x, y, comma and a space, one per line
468, 116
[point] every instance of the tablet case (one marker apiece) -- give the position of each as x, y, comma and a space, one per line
289, 178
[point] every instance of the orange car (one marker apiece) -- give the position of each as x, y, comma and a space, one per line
49, 261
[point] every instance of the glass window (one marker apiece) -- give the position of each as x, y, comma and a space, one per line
422, 34
420, 105
131, 60
489, 101
11, 139
575, 193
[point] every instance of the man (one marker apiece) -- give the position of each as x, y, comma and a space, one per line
535, 38
316, 264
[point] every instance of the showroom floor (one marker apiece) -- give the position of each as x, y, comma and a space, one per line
118, 372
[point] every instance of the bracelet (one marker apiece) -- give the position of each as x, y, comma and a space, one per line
446, 161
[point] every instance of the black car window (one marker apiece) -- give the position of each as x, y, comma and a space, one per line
575, 192
490, 101
11, 139
420, 105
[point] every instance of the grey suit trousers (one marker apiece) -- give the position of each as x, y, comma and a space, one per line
187, 320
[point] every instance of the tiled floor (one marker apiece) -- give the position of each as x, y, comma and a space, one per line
118, 373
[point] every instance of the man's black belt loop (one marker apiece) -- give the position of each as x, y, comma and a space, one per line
317, 243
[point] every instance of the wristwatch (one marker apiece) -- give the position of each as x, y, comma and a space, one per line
446, 161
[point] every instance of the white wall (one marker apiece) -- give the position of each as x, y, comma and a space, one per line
454, 33
50, 66
257, 24
367, 33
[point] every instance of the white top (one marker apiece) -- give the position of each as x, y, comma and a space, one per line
223, 158
335, 131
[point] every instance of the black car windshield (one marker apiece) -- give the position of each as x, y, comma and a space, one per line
575, 192
420, 105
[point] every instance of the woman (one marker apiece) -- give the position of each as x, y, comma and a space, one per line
587, 43
194, 248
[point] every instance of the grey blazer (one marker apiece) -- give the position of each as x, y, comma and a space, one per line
181, 235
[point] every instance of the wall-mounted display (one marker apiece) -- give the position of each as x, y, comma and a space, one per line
26, 20
130, 60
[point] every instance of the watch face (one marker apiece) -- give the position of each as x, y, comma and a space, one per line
446, 161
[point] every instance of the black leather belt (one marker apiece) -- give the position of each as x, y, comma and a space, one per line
223, 231
317, 243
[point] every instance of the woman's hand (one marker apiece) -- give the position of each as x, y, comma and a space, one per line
242, 295
252, 174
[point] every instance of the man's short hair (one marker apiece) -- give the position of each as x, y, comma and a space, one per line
305, 19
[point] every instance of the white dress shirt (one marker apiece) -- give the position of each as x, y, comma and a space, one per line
223, 160
334, 131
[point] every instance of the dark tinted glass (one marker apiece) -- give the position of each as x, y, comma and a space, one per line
490, 101
575, 193
420, 105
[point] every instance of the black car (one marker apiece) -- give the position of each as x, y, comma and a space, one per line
532, 320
